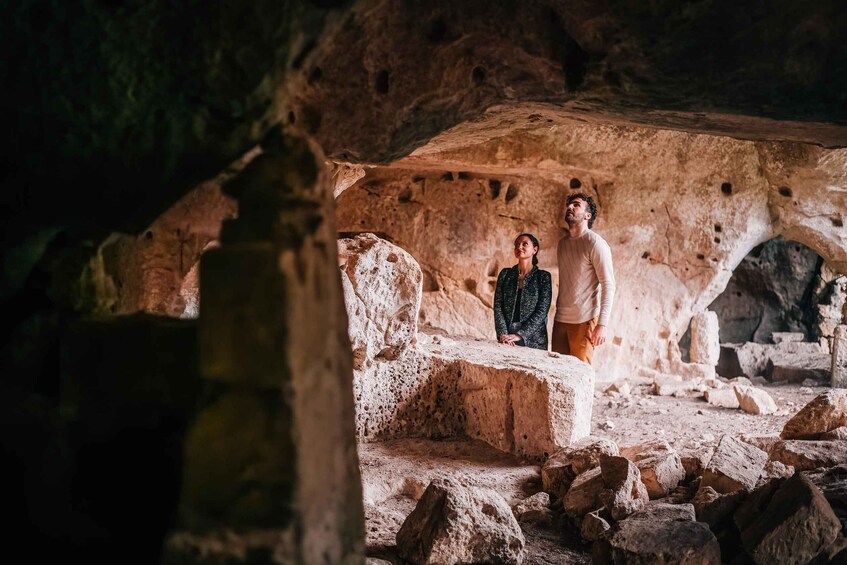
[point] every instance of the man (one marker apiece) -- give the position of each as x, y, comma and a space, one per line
586, 283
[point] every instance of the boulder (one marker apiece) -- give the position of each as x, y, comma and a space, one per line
660, 466
805, 455
561, 468
735, 465
824, 413
794, 526
624, 492
816, 367
382, 292
661, 533
723, 398
584, 494
754, 400
751, 359
455, 523
838, 433
714, 508
705, 340
535, 509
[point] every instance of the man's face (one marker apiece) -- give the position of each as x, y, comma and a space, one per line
577, 212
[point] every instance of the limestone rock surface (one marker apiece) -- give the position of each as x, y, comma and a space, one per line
824, 413
562, 467
735, 465
453, 523
659, 534
516, 399
754, 400
705, 339
624, 492
382, 292
805, 455
796, 525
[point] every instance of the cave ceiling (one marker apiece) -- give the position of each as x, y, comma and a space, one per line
116, 110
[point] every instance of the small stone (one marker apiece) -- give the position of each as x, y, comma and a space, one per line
735, 465
535, 509
583, 496
723, 398
825, 412
561, 468
624, 492
754, 400
594, 526
805, 455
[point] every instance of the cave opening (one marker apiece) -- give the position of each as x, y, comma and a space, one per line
783, 301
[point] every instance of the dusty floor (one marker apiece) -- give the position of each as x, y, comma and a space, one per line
394, 473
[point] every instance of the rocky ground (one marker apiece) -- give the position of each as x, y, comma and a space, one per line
395, 473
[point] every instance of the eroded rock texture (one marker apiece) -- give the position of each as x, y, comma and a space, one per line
457, 204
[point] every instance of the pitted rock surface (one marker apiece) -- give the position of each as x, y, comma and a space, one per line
455, 523
519, 400
382, 292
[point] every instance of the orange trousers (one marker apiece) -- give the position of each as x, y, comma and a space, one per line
574, 339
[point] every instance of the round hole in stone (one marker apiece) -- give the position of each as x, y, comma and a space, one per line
726, 188
701, 256
645, 255
149, 235
478, 75
785, 191
494, 188
511, 192
575, 183
718, 228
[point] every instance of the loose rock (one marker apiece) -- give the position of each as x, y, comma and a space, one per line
583, 496
754, 400
560, 470
624, 492
805, 455
594, 526
735, 465
826, 412
535, 509
453, 523
723, 398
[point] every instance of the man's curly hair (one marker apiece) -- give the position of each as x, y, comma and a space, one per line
592, 207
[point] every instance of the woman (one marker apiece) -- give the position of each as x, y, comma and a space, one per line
522, 298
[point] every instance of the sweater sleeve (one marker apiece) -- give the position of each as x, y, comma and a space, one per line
602, 261
537, 321
499, 319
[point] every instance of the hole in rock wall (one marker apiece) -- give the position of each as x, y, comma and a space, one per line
781, 286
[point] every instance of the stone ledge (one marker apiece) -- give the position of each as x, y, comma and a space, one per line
522, 401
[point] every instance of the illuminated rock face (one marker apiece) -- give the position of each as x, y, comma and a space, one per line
680, 211
516, 399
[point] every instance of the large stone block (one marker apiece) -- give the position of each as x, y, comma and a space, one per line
541, 402
516, 399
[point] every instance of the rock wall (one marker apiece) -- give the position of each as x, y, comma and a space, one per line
680, 212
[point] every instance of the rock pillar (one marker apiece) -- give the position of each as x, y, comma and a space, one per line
705, 341
839, 357
271, 453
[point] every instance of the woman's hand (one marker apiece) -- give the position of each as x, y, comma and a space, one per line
509, 339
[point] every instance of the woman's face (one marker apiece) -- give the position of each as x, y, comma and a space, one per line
524, 249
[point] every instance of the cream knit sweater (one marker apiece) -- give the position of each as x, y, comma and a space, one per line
586, 279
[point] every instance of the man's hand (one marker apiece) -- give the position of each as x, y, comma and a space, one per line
510, 339
598, 336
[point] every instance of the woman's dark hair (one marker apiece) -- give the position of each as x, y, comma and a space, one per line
535, 244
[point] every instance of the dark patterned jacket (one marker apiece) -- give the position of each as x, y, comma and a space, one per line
535, 305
